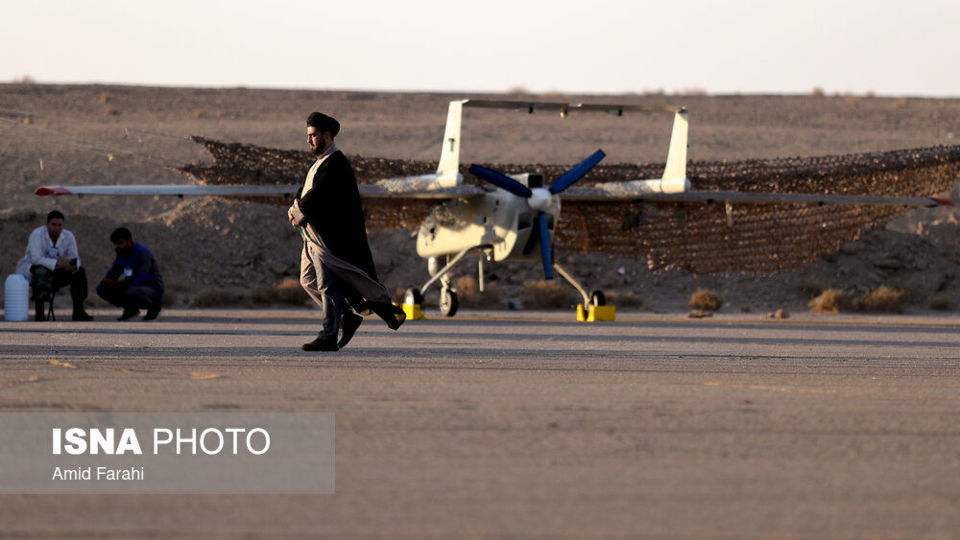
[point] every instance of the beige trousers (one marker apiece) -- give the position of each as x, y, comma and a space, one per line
334, 284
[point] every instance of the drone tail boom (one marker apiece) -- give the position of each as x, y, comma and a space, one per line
448, 170
675, 173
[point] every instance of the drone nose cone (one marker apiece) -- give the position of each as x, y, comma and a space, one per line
539, 199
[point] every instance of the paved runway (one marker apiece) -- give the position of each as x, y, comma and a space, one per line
520, 424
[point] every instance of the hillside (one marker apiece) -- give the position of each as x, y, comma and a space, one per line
215, 250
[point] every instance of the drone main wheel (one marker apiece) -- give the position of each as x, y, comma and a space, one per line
448, 302
413, 297
597, 299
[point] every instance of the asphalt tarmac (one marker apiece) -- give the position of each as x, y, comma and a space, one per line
529, 424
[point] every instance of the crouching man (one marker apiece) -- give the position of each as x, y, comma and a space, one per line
52, 261
134, 281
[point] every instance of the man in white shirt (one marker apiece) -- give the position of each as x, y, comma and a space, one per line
52, 261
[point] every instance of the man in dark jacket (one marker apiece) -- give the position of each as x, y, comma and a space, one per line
134, 280
336, 267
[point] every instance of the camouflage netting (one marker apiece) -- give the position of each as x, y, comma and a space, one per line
700, 237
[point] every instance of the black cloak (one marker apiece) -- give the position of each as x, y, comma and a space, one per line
334, 210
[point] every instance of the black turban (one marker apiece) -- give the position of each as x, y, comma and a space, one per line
324, 123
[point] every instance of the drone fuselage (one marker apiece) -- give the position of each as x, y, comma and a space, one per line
497, 219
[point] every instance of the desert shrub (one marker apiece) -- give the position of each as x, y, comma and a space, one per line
105, 97
199, 113
830, 301
468, 292
883, 299
287, 291
693, 91
706, 299
548, 295
812, 288
218, 296
941, 302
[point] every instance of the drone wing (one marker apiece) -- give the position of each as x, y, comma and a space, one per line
638, 191
414, 187
179, 190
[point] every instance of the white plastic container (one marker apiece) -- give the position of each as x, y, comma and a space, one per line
16, 297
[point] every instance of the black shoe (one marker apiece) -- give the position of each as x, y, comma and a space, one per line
350, 324
401, 317
81, 315
391, 314
128, 313
152, 313
41, 314
321, 344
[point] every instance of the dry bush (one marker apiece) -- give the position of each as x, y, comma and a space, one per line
812, 288
624, 300
883, 298
468, 292
110, 111
105, 97
218, 296
199, 113
288, 292
830, 301
551, 294
705, 299
941, 302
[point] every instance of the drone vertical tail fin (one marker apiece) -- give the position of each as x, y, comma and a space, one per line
676, 169
448, 170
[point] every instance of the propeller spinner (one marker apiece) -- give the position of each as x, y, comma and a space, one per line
539, 198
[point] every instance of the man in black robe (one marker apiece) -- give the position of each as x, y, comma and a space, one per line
336, 267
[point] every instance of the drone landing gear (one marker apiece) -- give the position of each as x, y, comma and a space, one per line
448, 294
595, 298
594, 307
449, 303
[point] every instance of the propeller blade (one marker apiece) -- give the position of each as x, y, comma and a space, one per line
501, 180
576, 173
545, 252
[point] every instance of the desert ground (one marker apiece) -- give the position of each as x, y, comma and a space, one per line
222, 252
500, 424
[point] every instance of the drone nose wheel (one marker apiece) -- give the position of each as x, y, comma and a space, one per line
412, 297
597, 298
448, 302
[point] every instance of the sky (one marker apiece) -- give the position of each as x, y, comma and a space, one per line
882, 47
